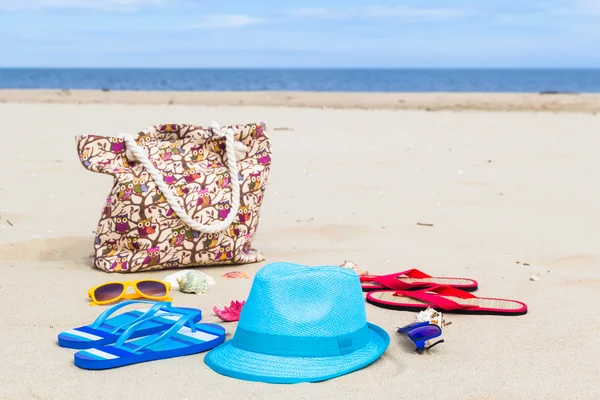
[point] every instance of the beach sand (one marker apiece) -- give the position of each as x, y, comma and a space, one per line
554, 102
510, 195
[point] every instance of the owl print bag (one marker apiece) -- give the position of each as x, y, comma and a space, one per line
183, 195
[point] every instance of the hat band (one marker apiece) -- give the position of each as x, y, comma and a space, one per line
295, 346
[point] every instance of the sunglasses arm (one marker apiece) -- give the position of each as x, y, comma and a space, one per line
421, 346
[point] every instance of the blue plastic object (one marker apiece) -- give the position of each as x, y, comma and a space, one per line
420, 332
105, 330
184, 337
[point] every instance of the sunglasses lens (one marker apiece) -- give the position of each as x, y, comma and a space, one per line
108, 292
424, 332
151, 288
409, 327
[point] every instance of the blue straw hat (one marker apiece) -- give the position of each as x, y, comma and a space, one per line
300, 324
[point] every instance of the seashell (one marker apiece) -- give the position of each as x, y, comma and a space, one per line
172, 278
354, 267
231, 313
432, 316
235, 275
193, 282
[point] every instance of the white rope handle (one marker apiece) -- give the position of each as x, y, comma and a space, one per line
136, 152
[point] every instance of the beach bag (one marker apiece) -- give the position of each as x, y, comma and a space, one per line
183, 195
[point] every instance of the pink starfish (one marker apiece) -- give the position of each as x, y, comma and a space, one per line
231, 313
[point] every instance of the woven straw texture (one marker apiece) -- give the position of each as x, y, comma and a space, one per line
299, 301
439, 281
231, 361
481, 302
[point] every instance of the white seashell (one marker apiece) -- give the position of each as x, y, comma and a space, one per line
193, 282
432, 316
172, 278
354, 267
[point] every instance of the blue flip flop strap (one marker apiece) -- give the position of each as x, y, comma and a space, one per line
151, 312
295, 346
176, 326
102, 317
183, 320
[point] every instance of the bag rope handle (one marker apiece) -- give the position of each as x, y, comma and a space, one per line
135, 152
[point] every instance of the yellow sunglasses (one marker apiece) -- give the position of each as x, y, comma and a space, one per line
111, 292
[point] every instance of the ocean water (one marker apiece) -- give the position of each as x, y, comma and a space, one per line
326, 80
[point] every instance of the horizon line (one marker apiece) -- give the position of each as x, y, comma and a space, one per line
307, 68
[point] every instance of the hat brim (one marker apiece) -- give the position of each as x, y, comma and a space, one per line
234, 362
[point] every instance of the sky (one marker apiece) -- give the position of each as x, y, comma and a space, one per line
300, 33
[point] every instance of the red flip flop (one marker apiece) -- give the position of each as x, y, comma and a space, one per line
413, 279
445, 299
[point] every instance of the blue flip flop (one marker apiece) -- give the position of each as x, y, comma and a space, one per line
105, 330
185, 337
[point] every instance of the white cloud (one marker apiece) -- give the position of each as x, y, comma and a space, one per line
227, 21
578, 20
104, 5
588, 6
580, 8
398, 12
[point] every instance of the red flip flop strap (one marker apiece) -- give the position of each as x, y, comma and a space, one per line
435, 300
368, 278
391, 281
415, 273
450, 291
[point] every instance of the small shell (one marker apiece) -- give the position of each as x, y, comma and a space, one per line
235, 275
432, 316
354, 267
193, 282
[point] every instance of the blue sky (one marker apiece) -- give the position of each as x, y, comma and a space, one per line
294, 33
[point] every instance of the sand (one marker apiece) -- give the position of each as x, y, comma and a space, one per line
553, 102
509, 195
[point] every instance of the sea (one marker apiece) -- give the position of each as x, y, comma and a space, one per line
318, 80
